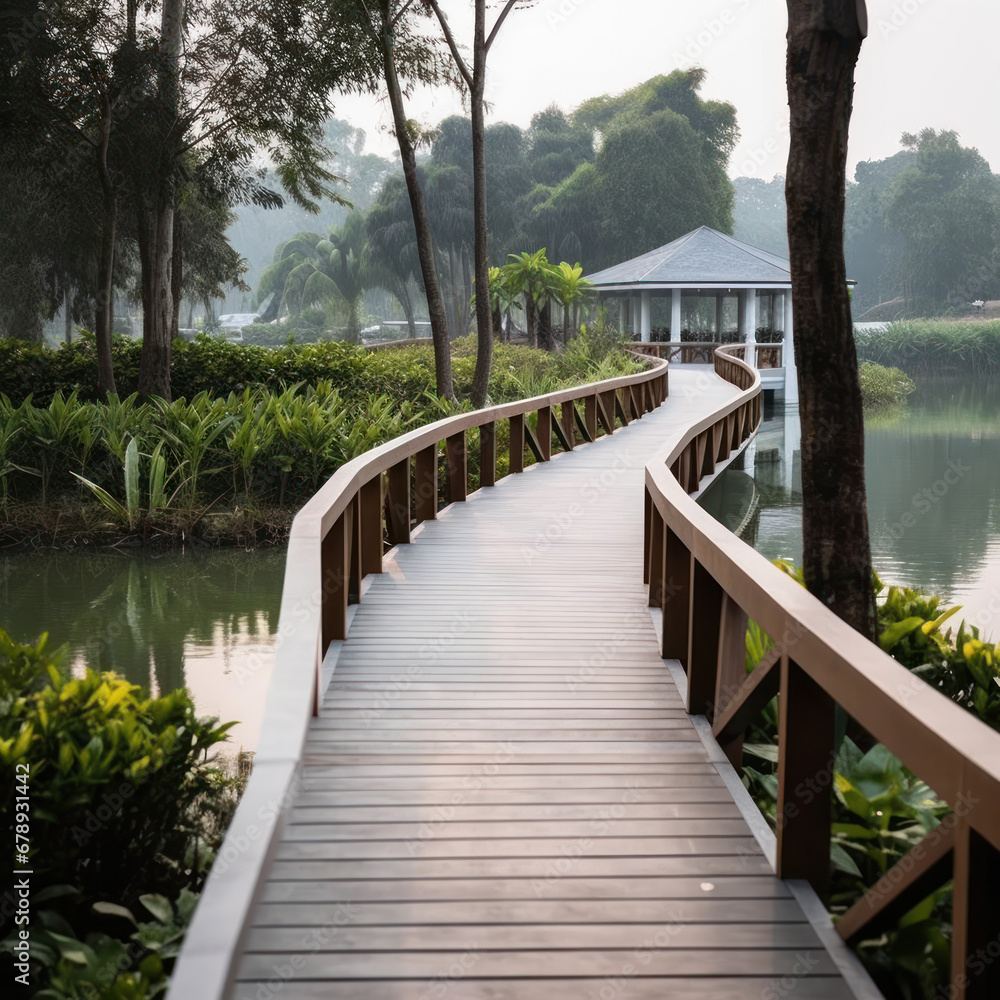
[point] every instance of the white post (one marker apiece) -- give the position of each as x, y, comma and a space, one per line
751, 327
622, 303
788, 354
675, 317
636, 309
647, 321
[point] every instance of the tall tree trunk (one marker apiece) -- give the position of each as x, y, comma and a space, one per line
466, 302
484, 315
157, 226
425, 247
176, 275
104, 320
824, 41
155, 252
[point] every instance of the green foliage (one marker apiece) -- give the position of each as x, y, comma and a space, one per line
296, 414
113, 773
934, 346
883, 388
961, 665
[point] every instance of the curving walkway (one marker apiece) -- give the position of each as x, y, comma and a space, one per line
503, 797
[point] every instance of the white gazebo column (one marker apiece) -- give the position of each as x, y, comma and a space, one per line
646, 321
748, 323
636, 309
675, 316
788, 354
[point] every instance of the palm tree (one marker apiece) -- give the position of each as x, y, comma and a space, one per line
571, 289
310, 269
530, 275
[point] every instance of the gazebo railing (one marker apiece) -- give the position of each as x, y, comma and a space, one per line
702, 352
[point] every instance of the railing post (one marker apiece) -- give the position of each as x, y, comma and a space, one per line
370, 504
355, 573
732, 668
545, 432
335, 573
655, 558
488, 454
569, 422
590, 416
975, 916
704, 619
458, 465
517, 443
398, 502
425, 484
805, 751
648, 510
676, 585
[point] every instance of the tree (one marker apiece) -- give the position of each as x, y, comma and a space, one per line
392, 244
824, 41
384, 22
660, 171
571, 290
475, 80
311, 269
530, 275
946, 207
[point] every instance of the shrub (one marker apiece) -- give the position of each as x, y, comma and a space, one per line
113, 774
883, 388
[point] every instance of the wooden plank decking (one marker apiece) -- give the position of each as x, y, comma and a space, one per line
503, 797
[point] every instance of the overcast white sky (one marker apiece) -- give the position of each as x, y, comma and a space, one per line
926, 63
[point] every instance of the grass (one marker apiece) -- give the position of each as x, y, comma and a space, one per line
926, 346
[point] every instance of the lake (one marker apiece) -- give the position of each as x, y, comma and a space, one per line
202, 619
933, 479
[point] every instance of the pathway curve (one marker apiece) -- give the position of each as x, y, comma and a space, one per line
503, 797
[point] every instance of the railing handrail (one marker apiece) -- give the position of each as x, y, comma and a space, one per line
311, 599
716, 582
831, 651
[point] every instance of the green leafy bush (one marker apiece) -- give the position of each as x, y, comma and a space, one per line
883, 388
113, 773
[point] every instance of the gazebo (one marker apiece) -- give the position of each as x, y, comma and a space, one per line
709, 283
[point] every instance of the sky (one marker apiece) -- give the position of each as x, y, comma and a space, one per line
925, 63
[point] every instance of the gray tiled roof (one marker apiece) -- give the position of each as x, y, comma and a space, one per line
705, 256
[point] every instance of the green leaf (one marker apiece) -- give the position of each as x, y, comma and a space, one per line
159, 906
898, 631
114, 910
842, 861
764, 751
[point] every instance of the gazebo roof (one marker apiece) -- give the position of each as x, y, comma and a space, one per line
703, 258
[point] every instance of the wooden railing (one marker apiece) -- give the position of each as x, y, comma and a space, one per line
337, 539
708, 583
703, 352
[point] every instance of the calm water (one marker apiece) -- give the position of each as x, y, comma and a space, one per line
933, 476
203, 620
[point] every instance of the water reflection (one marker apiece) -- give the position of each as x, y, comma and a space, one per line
205, 620
933, 478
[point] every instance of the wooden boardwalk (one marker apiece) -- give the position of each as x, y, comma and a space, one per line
503, 797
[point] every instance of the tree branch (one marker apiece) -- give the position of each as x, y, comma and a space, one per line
511, 4
456, 55
402, 10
